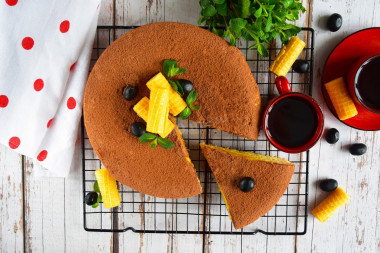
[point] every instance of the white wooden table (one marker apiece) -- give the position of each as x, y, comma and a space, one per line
45, 215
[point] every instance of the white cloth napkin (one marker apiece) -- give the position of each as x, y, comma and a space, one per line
45, 49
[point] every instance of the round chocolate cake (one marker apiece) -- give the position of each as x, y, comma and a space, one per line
228, 97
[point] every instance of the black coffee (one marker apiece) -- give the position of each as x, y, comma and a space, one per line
292, 122
368, 84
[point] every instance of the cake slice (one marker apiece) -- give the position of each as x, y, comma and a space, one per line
271, 177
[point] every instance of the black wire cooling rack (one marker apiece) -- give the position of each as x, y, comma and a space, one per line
206, 213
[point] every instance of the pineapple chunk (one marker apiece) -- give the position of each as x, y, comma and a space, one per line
287, 56
329, 205
340, 98
142, 108
108, 188
158, 110
176, 103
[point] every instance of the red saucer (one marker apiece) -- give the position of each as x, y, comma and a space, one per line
359, 44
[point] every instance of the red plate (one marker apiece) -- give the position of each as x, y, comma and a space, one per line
352, 48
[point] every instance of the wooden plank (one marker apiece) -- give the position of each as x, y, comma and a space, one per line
78, 240
132, 12
44, 211
182, 11
106, 13
54, 215
11, 201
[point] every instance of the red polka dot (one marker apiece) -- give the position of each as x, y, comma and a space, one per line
71, 103
42, 155
73, 66
50, 122
11, 2
38, 84
64, 26
14, 142
3, 101
27, 43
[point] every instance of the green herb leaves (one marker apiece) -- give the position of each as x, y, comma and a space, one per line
165, 143
96, 187
190, 105
176, 86
147, 137
171, 69
154, 139
258, 21
191, 97
97, 190
185, 113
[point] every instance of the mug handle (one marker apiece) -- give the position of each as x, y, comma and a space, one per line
283, 85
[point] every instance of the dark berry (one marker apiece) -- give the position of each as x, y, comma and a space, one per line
358, 149
187, 86
246, 184
332, 136
91, 198
328, 185
138, 129
334, 23
130, 92
300, 66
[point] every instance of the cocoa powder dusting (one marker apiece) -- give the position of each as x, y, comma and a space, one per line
227, 94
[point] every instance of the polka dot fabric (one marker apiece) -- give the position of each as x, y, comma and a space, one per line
47, 51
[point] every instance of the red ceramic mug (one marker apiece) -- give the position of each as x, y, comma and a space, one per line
292, 122
363, 82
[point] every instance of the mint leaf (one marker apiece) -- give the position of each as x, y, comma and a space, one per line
244, 8
96, 187
232, 40
222, 9
99, 198
245, 34
176, 86
185, 113
153, 144
95, 205
225, 34
203, 3
165, 143
236, 24
269, 23
168, 66
201, 20
286, 3
172, 72
194, 107
258, 12
209, 11
191, 97
262, 50
218, 1
178, 71
147, 137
